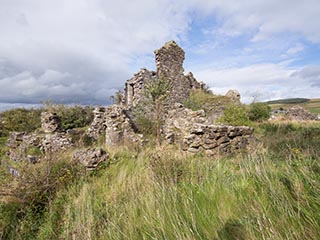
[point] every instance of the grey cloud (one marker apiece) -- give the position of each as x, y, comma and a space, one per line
78, 51
310, 74
81, 51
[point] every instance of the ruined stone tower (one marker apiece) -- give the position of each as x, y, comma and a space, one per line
169, 66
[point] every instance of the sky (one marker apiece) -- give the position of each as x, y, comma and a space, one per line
82, 51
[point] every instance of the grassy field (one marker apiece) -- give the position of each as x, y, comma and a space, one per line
272, 192
313, 105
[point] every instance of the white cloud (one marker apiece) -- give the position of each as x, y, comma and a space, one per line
265, 18
81, 51
296, 49
78, 50
264, 81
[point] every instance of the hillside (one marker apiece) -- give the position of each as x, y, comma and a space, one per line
313, 105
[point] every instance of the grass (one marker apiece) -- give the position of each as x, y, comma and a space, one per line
161, 193
313, 105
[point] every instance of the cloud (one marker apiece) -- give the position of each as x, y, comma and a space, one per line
79, 51
296, 49
264, 81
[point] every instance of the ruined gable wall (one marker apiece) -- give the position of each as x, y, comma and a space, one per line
169, 63
134, 87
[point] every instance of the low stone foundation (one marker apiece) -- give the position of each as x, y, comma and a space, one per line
194, 131
215, 139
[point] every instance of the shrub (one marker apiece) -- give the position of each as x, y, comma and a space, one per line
235, 115
202, 99
27, 196
145, 125
72, 116
20, 120
259, 111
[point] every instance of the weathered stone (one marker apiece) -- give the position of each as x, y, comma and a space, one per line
50, 122
234, 95
90, 158
134, 87
15, 139
208, 146
194, 149
223, 139
170, 137
298, 113
56, 142
195, 132
169, 63
119, 127
33, 159
97, 127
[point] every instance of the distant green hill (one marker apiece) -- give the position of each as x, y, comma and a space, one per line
289, 101
313, 105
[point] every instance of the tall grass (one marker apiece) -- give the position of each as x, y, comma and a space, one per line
164, 194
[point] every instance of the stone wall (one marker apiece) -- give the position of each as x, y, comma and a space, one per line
134, 87
115, 123
53, 140
97, 127
195, 133
216, 139
169, 66
119, 127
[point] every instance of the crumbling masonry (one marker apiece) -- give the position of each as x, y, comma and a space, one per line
192, 129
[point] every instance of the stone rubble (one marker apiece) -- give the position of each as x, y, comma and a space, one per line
90, 158
298, 113
55, 140
50, 122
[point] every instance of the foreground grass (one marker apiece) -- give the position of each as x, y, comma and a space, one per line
163, 194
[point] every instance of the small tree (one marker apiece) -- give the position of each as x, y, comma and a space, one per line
259, 111
156, 95
117, 97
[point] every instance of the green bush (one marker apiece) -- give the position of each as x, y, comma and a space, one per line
236, 115
201, 99
259, 111
72, 116
145, 125
20, 120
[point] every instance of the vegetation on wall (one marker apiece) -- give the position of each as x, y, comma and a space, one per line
74, 116
150, 113
201, 99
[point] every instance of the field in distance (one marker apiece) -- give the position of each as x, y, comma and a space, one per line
313, 105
